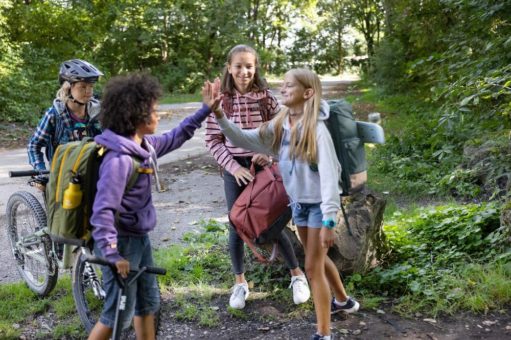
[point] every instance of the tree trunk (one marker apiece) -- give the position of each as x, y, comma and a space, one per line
361, 250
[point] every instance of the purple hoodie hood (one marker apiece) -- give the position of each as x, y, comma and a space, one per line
121, 144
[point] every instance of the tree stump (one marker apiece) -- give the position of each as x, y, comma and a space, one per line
360, 251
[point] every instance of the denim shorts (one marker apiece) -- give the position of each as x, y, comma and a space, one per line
143, 296
307, 215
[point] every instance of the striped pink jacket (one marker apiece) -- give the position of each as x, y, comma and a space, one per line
245, 110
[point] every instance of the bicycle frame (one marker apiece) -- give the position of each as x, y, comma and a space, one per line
31, 240
66, 262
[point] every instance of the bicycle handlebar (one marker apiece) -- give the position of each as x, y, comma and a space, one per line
104, 262
27, 173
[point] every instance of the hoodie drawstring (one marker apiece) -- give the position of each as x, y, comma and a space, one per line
248, 120
153, 163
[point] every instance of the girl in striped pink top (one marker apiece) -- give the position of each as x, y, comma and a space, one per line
247, 102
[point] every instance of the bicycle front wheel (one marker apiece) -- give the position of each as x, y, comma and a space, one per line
31, 250
88, 290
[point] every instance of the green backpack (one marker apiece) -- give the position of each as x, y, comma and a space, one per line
348, 146
349, 136
71, 189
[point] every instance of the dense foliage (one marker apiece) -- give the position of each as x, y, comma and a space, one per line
441, 76
180, 41
439, 255
449, 61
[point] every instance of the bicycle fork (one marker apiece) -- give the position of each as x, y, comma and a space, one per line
92, 278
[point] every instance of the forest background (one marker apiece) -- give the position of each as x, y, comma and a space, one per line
439, 71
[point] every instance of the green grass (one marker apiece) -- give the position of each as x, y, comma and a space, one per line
20, 305
474, 287
199, 274
201, 271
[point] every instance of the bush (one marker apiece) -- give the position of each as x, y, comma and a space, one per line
432, 251
389, 66
25, 91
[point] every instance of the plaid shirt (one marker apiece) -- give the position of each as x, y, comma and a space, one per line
57, 127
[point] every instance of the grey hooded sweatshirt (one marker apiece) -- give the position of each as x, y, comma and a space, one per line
303, 185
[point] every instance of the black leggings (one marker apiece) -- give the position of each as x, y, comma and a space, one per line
236, 249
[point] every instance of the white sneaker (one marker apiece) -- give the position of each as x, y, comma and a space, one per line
239, 295
301, 291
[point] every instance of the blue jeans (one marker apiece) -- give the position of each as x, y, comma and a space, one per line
143, 295
236, 248
307, 215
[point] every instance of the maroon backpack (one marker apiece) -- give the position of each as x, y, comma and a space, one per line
262, 210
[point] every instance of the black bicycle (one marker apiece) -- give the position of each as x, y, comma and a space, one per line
123, 284
38, 259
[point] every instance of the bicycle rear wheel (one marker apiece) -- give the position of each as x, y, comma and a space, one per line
88, 291
31, 251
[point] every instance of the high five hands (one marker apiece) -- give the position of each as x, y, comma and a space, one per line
211, 96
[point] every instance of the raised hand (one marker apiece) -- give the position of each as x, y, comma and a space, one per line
211, 94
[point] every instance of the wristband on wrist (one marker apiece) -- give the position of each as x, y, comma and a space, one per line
329, 224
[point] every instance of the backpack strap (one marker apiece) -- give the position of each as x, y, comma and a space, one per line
256, 252
346, 218
134, 174
131, 182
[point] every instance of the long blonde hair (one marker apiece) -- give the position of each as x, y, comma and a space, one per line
64, 92
303, 136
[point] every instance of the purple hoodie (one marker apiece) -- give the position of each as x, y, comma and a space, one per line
136, 212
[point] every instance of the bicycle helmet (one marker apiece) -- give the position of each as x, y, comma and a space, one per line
75, 70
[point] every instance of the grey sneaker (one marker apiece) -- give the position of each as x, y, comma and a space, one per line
239, 295
301, 291
350, 306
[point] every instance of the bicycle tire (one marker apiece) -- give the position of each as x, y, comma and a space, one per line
88, 303
25, 216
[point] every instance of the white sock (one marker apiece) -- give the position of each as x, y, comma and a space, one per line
338, 303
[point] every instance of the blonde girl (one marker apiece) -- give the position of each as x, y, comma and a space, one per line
72, 115
299, 138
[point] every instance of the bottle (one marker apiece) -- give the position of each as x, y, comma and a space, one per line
73, 194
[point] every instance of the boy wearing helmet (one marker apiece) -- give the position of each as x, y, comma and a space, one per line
72, 115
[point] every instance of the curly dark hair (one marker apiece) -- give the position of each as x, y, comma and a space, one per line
127, 102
